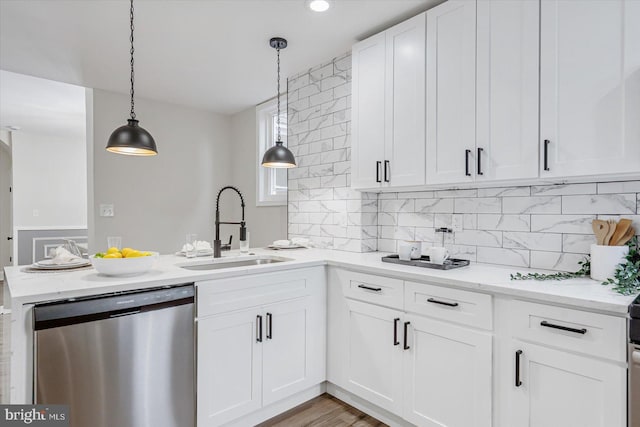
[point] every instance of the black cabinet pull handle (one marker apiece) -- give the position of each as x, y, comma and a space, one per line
563, 328
369, 288
479, 171
259, 328
406, 335
449, 304
378, 164
269, 326
387, 172
466, 162
546, 154
395, 331
518, 354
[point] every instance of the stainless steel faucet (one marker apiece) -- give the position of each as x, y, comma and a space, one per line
217, 244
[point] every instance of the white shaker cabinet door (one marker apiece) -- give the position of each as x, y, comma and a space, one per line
368, 111
555, 388
229, 380
507, 93
447, 375
451, 78
293, 349
405, 142
590, 87
374, 357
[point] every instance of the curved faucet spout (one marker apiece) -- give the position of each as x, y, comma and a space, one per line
217, 244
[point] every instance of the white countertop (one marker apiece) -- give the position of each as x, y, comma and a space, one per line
24, 288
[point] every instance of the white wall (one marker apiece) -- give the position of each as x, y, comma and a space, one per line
159, 199
265, 223
49, 176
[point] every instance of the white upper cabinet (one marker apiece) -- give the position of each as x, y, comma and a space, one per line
405, 147
368, 115
589, 87
388, 122
451, 81
507, 92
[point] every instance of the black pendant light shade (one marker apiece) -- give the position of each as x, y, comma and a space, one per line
131, 139
278, 156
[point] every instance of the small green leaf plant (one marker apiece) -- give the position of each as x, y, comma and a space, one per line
625, 281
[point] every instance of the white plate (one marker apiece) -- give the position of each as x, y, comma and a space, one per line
47, 264
286, 247
201, 252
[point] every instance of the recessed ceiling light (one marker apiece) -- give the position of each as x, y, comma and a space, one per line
319, 5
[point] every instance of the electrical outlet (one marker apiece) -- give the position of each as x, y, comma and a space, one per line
106, 210
36, 212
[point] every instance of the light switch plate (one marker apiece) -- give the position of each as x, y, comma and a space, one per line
457, 223
106, 210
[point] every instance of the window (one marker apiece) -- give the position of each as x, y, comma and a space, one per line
271, 183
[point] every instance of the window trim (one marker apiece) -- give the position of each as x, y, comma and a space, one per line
264, 139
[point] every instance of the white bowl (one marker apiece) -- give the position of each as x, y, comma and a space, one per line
124, 266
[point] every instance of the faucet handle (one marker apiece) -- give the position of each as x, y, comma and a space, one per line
230, 239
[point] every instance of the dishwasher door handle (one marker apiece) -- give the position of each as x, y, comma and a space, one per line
126, 313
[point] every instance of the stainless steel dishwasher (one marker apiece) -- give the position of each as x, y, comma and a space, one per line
123, 360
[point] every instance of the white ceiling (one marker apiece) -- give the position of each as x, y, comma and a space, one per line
211, 54
42, 106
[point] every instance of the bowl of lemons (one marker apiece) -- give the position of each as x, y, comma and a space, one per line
123, 262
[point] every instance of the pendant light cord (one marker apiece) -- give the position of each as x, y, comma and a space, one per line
133, 114
278, 118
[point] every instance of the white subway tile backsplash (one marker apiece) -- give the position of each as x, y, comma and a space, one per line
478, 205
542, 226
504, 192
532, 241
531, 205
600, 204
514, 257
577, 243
478, 237
580, 224
415, 219
504, 222
619, 187
434, 205
563, 189
556, 260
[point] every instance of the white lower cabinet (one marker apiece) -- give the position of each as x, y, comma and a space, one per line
229, 367
447, 374
374, 355
421, 369
252, 357
556, 388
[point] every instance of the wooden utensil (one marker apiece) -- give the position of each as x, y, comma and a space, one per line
612, 229
600, 229
621, 231
627, 236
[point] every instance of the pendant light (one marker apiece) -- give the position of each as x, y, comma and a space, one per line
131, 139
278, 156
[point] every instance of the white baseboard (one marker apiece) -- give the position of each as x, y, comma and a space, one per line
279, 407
367, 407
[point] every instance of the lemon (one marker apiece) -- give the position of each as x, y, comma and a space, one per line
146, 253
113, 250
133, 254
113, 255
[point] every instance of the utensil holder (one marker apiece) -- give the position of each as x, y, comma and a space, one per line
605, 259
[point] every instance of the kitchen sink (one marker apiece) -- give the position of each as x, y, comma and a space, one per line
223, 263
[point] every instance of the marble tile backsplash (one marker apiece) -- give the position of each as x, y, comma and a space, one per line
544, 226
536, 226
322, 207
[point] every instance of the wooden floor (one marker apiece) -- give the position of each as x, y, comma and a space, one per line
323, 411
